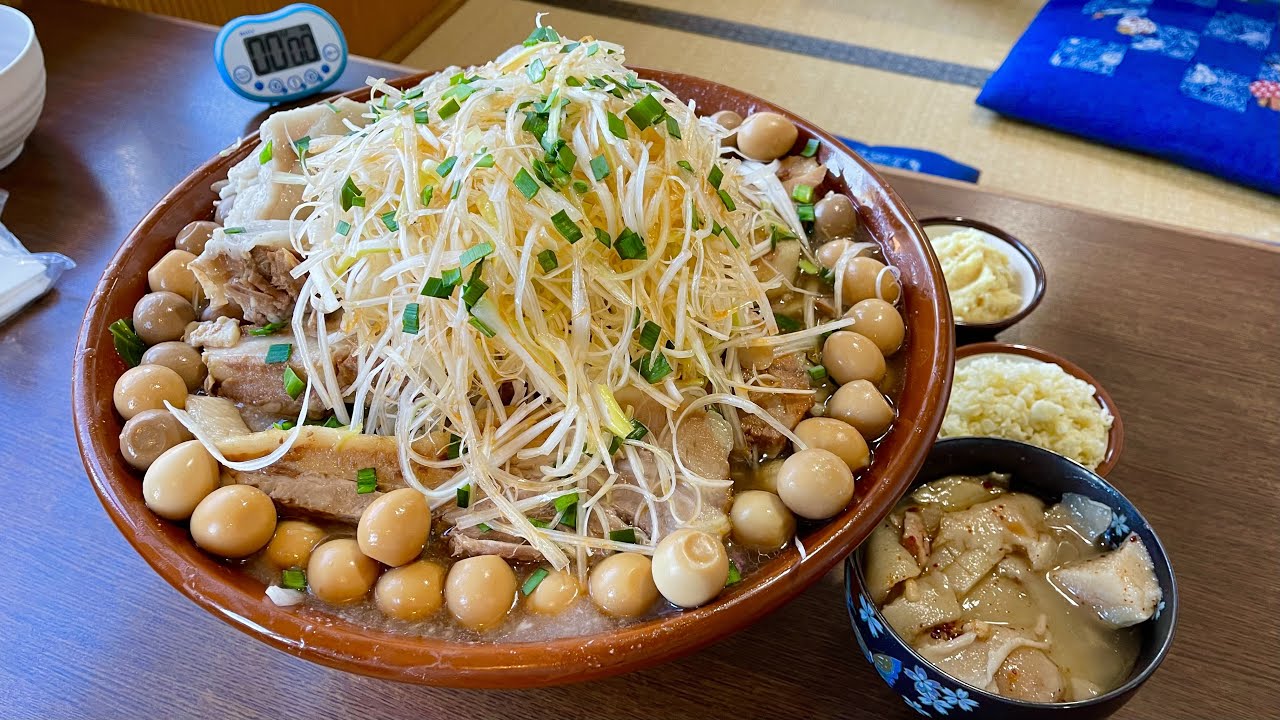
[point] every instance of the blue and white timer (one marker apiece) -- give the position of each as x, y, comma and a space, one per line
281, 56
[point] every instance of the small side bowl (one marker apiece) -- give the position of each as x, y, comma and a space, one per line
1031, 276
1045, 475
22, 82
1115, 438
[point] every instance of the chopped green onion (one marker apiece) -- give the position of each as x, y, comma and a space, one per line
454, 449
436, 288
625, 535
817, 374
526, 184
264, 155
284, 424
566, 227
279, 353
565, 502
485, 161
548, 260
366, 480
653, 367
427, 192
802, 194
334, 108
343, 227
128, 345
236, 230
459, 92
808, 267
446, 166
646, 112
301, 145
728, 201
615, 444
268, 329
535, 579
545, 33
635, 319
389, 219
735, 575
454, 189
536, 71
464, 496
786, 323
630, 246
638, 430
778, 234
293, 579
409, 321
473, 291
479, 324
729, 234
715, 176
649, 335
599, 167
565, 157
352, 196
544, 173
592, 49
413, 94
603, 238
685, 164
332, 422
483, 527
673, 128
420, 117
616, 126
572, 81
293, 384
449, 109
581, 187
805, 212
538, 523
810, 148
474, 253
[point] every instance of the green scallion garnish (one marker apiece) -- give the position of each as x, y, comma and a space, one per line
268, 329
343, 228
446, 166
616, 126
565, 157
279, 353
817, 374
545, 33
389, 219
810, 148
409, 321
572, 81
536, 71
548, 260
649, 335
366, 480
630, 246
464, 496
805, 212
427, 192
454, 189
454, 449
236, 230
293, 579
685, 164
485, 161
264, 155
413, 94
480, 325
802, 194
449, 109
592, 49
331, 422
653, 367
603, 238
646, 112
715, 176
735, 575
293, 384
352, 196
421, 117
786, 323
808, 267
566, 227
673, 128
474, 253
638, 430
535, 578
526, 184
599, 167
473, 291
128, 345
625, 535
615, 444
728, 201
565, 502
581, 187
284, 424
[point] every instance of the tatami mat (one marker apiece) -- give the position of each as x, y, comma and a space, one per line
882, 107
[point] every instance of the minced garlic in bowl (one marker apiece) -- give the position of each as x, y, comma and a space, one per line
1019, 398
983, 285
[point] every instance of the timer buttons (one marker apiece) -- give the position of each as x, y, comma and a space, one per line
312, 76
295, 82
330, 52
242, 74
276, 86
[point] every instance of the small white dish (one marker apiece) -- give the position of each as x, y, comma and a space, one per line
22, 82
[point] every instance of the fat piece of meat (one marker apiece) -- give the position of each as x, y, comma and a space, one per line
241, 375
472, 541
223, 332
318, 475
787, 371
797, 170
251, 269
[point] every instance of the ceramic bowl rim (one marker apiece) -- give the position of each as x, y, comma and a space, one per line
1033, 260
853, 564
1115, 435
342, 644
30, 38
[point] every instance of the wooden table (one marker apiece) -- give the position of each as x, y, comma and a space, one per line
1183, 329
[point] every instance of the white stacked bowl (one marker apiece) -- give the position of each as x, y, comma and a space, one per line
22, 82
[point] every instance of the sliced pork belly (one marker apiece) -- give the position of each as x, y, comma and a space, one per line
250, 269
242, 375
788, 371
797, 170
1120, 585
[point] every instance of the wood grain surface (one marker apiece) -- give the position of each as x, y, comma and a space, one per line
1183, 329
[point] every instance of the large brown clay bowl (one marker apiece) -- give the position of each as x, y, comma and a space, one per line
315, 635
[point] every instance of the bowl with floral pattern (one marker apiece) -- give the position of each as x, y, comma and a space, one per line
1036, 471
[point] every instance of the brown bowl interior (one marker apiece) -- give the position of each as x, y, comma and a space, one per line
1115, 438
312, 634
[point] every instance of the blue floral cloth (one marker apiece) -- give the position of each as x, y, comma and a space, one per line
1193, 81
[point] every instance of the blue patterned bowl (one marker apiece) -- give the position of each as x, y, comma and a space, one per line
1046, 475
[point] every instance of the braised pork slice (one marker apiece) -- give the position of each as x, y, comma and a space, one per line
318, 474
252, 191
251, 268
786, 371
797, 170
474, 541
242, 375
